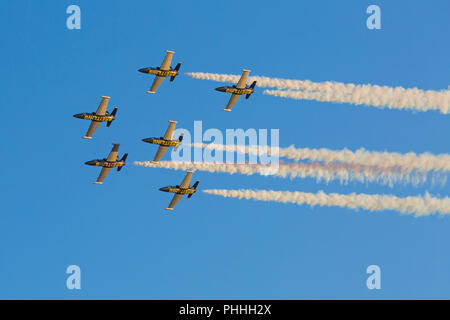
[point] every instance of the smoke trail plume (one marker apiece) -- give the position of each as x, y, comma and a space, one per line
371, 95
406, 101
344, 173
418, 206
405, 162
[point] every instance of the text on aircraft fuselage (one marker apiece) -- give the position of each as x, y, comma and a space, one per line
94, 117
105, 163
235, 90
178, 190
158, 72
162, 142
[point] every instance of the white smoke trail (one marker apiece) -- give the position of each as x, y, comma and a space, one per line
418, 206
372, 95
380, 100
344, 173
407, 162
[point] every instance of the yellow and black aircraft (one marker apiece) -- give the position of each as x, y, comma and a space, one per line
166, 141
181, 190
165, 70
98, 117
239, 89
108, 163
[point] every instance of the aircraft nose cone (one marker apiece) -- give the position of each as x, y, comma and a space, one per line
90, 163
147, 140
143, 70
165, 189
221, 89
78, 115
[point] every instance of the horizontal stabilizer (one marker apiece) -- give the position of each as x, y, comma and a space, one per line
176, 69
113, 113
252, 86
124, 158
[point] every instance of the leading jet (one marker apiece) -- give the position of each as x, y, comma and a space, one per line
101, 115
239, 89
181, 190
166, 141
107, 164
165, 70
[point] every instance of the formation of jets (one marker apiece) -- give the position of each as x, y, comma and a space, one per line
165, 142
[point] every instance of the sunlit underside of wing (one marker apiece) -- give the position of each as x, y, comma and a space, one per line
102, 175
155, 84
174, 201
169, 132
233, 99
242, 84
167, 61
94, 125
186, 180
160, 153
101, 111
113, 154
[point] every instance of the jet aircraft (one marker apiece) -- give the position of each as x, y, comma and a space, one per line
101, 115
181, 190
165, 142
239, 89
108, 163
165, 70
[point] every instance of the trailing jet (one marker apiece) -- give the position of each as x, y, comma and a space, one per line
166, 141
181, 190
165, 70
98, 117
239, 89
107, 164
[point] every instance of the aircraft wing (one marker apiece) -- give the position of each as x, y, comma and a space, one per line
94, 125
160, 153
167, 61
113, 154
242, 84
175, 199
187, 180
169, 132
101, 111
102, 175
233, 99
156, 84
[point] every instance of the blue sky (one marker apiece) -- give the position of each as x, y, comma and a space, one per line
210, 248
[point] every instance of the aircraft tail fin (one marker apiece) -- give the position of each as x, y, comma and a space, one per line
180, 138
252, 86
176, 69
113, 113
194, 187
124, 158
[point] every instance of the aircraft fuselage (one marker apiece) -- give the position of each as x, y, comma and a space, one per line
234, 90
162, 142
105, 163
160, 73
178, 190
94, 117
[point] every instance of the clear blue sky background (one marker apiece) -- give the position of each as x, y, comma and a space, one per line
210, 248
